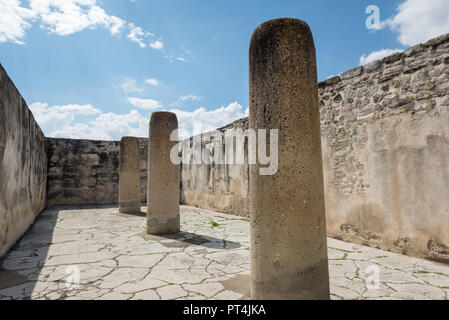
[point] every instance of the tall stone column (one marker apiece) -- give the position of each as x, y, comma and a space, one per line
163, 176
129, 176
288, 229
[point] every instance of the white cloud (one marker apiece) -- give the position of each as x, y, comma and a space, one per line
116, 25
137, 35
45, 114
179, 102
54, 117
153, 82
158, 45
130, 85
202, 120
107, 126
180, 57
190, 97
14, 21
64, 122
147, 104
376, 55
172, 58
415, 21
78, 131
65, 17
118, 125
418, 20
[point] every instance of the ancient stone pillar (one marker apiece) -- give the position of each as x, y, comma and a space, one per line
163, 176
129, 176
288, 229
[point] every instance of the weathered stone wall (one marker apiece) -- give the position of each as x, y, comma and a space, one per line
385, 142
23, 165
222, 187
385, 138
87, 171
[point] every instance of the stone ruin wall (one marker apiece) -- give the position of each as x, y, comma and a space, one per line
87, 171
385, 141
23, 165
385, 144
221, 187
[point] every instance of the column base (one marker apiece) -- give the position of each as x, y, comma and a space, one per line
171, 226
129, 207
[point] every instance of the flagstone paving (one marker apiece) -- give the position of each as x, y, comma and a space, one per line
209, 259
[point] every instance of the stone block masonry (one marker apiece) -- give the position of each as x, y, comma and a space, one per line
385, 138
385, 144
23, 165
87, 171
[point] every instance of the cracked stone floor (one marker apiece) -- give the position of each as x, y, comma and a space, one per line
208, 260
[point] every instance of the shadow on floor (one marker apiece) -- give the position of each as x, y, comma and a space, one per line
22, 265
184, 239
240, 284
80, 206
135, 214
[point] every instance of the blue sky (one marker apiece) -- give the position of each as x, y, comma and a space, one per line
97, 69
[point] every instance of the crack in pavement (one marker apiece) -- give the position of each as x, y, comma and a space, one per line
209, 259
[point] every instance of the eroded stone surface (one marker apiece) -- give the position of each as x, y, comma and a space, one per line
129, 179
384, 126
163, 191
116, 262
288, 218
23, 165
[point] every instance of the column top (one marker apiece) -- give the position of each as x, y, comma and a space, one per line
128, 138
282, 27
163, 116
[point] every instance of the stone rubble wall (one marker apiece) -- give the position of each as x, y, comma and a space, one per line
23, 165
385, 142
87, 171
385, 139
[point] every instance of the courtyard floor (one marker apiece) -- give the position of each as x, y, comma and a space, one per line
114, 259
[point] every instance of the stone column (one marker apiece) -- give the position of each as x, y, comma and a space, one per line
163, 176
129, 176
288, 229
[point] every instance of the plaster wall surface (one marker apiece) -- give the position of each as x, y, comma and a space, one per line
23, 165
222, 187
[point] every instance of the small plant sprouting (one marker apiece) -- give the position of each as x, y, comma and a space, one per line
213, 223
